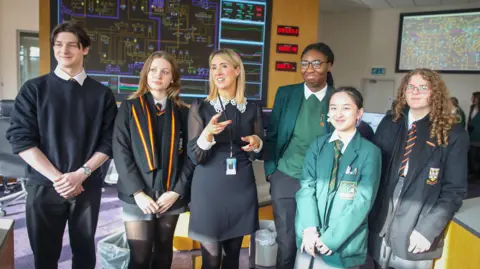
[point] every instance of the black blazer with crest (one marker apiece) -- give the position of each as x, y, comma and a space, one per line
435, 185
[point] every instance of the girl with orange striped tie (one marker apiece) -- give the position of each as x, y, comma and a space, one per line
154, 171
424, 174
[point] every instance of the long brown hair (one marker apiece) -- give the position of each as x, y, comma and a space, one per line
173, 90
232, 57
441, 119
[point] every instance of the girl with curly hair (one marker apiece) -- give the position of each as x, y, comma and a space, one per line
424, 174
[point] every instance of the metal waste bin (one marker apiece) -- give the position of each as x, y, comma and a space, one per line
265, 245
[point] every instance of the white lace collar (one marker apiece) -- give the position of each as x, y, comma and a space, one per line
218, 108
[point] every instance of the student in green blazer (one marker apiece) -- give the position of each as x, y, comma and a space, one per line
299, 115
338, 187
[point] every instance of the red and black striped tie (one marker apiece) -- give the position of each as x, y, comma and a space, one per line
412, 136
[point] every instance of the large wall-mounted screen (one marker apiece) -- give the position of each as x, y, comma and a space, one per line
446, 41
125, 32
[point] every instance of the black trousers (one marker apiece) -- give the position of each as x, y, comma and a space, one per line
283, 190
47, 214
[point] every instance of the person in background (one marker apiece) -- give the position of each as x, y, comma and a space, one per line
474, 107
62, 125
154, 171
474, 133
338, 187
299, 115
365, 130
424, 174
225, 135
457, 111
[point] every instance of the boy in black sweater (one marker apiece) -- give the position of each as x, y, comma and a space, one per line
62, 126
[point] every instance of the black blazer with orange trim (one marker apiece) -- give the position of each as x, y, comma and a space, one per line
136, 156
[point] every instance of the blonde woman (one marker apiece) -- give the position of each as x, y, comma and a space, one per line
225, 132
154, 172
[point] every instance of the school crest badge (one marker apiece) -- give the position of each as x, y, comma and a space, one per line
347, 190
433, 176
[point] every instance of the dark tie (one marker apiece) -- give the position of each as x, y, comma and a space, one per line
338, 154
73, 80
158, 109
412, 136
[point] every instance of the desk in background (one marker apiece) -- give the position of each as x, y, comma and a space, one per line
6, 244
462, 240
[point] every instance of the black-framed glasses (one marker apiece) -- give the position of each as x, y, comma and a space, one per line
422, 89
316, 64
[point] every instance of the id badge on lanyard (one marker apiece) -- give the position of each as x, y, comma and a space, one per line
231, 162
231, 166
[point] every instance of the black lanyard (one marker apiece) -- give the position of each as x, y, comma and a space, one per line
230, 128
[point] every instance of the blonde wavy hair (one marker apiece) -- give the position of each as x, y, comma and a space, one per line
441, 120
173, 90
231, 57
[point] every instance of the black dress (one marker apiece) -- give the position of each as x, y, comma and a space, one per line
223, 206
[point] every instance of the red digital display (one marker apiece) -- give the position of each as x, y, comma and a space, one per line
287, 48
288, 30
286, 66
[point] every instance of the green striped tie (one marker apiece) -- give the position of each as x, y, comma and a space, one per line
338, 153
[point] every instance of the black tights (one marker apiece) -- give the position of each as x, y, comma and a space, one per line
151, 242
212, 254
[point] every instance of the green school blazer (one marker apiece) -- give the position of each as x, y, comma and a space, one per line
288, 101
474, 129
340, 216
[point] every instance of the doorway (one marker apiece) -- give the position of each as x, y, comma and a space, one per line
378, 94
29, 56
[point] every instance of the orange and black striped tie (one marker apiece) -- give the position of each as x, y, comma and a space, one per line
338, 153
158, 109
412, 136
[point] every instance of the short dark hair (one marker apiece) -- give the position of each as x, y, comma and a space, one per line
325, 50
454, 100
353, 93
70, 27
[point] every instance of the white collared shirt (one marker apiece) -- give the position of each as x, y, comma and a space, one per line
320, 94
345, 140
474, 112
411, 119
162, 102
80, 77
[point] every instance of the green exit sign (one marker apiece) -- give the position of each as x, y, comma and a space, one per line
378, 71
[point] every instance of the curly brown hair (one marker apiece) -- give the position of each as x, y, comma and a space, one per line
441, 119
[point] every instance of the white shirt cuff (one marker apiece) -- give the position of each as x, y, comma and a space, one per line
257, 150
203, 143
